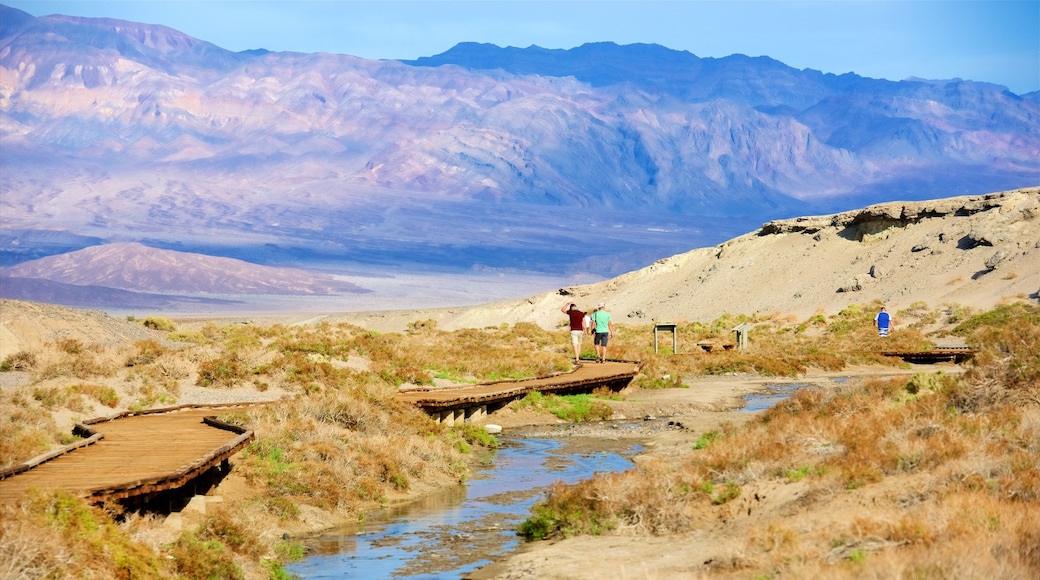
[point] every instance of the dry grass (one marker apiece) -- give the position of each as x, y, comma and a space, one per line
936, 476
342, 442
779, 345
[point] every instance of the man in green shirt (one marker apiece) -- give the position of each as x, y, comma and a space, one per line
601, 321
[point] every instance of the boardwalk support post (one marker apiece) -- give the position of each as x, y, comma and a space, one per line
476, 415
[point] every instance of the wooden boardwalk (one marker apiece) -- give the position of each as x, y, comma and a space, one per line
134, 455
937, 355
614, 375
142, 454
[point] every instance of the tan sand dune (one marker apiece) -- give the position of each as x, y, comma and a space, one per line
972, 250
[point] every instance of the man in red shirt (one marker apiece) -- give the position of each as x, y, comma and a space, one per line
577, 327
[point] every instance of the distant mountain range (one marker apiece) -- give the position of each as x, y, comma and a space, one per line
128, 274
598, 159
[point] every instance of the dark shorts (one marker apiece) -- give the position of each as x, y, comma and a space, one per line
601, 338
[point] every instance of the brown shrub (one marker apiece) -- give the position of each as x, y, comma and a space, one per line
224, 371
20, 361
26, 429
144, 352
1005, 368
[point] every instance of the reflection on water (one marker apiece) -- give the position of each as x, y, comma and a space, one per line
773, 395
458, 531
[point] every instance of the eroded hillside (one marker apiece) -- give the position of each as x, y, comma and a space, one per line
971, 250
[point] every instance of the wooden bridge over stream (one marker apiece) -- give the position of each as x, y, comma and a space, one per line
138, 455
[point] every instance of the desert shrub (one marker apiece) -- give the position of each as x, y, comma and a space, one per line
400, 374
343, 447
194, 557
665, 381
957, 313
80, 363
222, 526
159, 323
731, 362
19, 361
69, 345
172, 366
575, 408
706, 439
224, 371
421, 326
189, 337
826, 360
476, 435
568, 511
1005, 368
26, 429
107, 396
144, 352
57, 535
51, 397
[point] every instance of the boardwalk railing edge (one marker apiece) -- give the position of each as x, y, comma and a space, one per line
92, 438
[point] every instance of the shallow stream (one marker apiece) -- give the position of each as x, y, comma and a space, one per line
456, 532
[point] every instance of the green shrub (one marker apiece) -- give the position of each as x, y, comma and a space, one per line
575, 408
476, 435
193, 557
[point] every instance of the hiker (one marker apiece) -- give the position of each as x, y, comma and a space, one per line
604, 330
578, 325
883, 320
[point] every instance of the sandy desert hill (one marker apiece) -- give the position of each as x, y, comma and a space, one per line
971, 250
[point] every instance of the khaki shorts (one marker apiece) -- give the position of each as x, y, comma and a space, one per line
576, 336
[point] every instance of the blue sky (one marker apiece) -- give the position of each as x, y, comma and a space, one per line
993, 40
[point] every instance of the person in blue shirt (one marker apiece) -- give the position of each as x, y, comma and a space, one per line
883, 321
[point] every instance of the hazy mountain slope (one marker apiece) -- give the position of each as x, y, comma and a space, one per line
134, 132
972, 250
135, 267
40, 290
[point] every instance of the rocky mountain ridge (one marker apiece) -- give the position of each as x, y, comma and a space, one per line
133, 132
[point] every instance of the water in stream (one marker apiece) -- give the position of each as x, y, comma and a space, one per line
448, 535
451, 534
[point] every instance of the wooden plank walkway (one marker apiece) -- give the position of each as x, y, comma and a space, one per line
136, 455
954, 355
611, 374
158, 450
